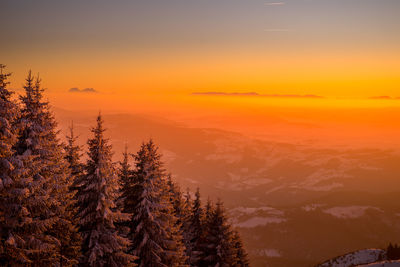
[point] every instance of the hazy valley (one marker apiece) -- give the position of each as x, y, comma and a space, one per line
293, 203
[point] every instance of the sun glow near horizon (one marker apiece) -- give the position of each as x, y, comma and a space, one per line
150, 57
335, 49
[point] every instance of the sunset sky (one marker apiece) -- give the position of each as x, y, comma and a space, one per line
152, 55
337, 48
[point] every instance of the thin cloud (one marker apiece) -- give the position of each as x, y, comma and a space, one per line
384, 97
85, 90
254, 94
275, 4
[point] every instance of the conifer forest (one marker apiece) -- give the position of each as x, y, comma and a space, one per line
61, 208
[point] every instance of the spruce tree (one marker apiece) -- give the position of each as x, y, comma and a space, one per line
196, 231
126, 184
241, 257
125, 172
8, 113
221, 251
14, 188
181, 210
73, 154
186, 223
97, 192
50, 228
206, 246
209, 210
71, 245
188, 203
156, 239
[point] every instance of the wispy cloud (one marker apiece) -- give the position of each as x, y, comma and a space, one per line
275, 3
254, 94
384, 97
85, 90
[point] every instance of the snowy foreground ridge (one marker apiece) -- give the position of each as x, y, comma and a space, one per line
358, 258
383, 264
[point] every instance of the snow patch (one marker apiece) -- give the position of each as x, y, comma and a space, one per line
313, 181
312, 207
383, 264
270, 253
252, 217
350, 212
259, 221
357, 258
234, 177
192, 181
257, 182
249, 211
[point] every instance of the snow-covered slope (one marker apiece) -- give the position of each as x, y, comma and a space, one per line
382, 264
357, 258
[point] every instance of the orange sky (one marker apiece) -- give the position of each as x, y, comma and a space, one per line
330, 48
337, 74
150, 56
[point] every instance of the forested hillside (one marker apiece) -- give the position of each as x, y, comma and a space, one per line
57, 209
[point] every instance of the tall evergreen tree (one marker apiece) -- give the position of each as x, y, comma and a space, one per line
14, 187
97, 192
209, 210
71, 245
49, 199
73, 154
126, 183
241, 257
221, 251
156, 239
188, 201
125, 172
186, 224
206, 246
181, 210
196, 231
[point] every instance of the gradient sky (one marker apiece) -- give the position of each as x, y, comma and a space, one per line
333, 48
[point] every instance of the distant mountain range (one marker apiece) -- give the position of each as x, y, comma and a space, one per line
294, 205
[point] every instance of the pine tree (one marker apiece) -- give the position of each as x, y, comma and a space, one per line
71, 245
188, 202
178, 202
156, 239
14, 192
206, 245
97, 192
241, 257
209, 210
48, 199
175, 214
181, 208
186, 223
73, 154
126, 184
196, 231
220, 237
125, 172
